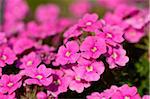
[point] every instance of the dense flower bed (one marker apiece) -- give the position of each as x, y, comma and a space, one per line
55, 54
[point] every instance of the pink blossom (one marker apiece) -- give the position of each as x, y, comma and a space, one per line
115, 20
112, 34
68, 53
7, 56
39, 76
13, 21
42, 30
129, 18
47, 13
22, 44
46, 53
15, 7
41, 95
94, 95
106, 94
133, 35
32, 60
3, 38
117, 57
76, 82
123, 92
75, 7
146, 97
126, 92
89, 22
59, 84
73, 31
32, 30
92, 70
124, 10
63, 23
139, 20
11, 27
10, 83
9, 96
93, 47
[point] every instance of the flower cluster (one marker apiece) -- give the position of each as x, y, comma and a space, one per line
37, 55
123, 92
13, 22
93, 38
131, 19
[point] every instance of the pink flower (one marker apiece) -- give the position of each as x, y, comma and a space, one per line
113, 19
41, 95
63, 23
109, 92
73, 31
93, 47
76, 82
11, 27
22, 44
126, 92
146, 97
89, 22
42, 30
94, 95
7, 56
32, 30
133, 35
59, 84
68, 53
39, 76
112, 34
31, 60
139, 20
123, 92
3, 38
46, 53
129, 18
47, 13
75, 7
124, 10
117, 57
8, 84
15, 7
92, 70
11, 96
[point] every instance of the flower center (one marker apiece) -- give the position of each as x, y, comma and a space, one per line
114, 55
29, 63
108, 35
10, 84
39, 77
88, 23
3, 57
57, 82
126, 97
89, 68
94, 49
68, 54
132, 33
77, 78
